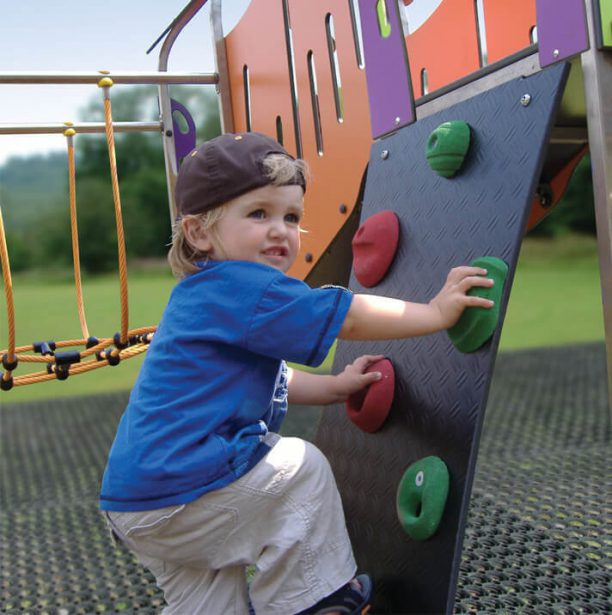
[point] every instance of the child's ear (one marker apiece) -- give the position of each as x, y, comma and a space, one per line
197, 237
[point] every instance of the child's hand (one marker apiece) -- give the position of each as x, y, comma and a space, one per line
353, 378
453, 298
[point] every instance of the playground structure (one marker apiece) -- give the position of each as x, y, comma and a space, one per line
343, 85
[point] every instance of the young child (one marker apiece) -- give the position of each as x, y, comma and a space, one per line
199, 485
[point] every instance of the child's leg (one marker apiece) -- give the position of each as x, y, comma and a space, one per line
302, 549
200, 591
176, 545
285, 516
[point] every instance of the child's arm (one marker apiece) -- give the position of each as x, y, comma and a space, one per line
319, 390
372, 317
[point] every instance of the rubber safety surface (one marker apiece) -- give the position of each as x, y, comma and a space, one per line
538, 536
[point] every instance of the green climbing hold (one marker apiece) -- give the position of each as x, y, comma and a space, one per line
477, 325
421, 497
447, 147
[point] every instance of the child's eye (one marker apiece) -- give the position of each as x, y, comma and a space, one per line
258, 214
292, 218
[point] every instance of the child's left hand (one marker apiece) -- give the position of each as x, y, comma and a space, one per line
322, 389
353, 378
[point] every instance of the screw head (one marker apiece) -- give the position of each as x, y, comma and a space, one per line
525, 100
384, 154
343, 208
308, 257
397, 120
556, 53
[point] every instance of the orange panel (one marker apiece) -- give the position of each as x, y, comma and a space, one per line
337, 172
446, 45
558, 186
258, 42
508, 26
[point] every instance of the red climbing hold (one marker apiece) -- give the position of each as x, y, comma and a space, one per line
374, 247
369, 408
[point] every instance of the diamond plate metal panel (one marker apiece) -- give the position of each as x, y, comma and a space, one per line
441, 393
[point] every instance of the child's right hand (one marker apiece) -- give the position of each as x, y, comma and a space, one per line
453, 298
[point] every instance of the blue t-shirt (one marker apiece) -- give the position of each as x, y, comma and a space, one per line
213, 383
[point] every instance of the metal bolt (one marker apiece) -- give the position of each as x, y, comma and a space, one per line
343, 208
168, 133
525, 100
308, 257
384, 154
397, 120
556, 53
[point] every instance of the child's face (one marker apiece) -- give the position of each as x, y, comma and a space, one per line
261, 226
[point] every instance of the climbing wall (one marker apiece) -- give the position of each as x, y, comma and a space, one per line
440, 392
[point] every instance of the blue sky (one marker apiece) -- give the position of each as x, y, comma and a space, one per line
92, 35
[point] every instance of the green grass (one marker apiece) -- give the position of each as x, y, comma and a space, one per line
556, 296
46, 310
555, 300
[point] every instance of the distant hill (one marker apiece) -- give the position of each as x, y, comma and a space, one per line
32, 186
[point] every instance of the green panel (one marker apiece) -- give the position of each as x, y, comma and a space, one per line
605, 13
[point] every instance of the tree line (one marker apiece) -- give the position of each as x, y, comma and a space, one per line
38, 224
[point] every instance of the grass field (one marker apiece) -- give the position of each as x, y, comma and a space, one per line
555, 300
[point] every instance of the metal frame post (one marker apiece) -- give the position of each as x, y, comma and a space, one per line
597, 73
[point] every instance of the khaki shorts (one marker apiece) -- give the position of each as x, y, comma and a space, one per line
284, 517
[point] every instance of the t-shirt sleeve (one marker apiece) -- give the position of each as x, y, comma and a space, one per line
297, 323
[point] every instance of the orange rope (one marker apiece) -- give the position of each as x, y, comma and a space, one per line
106, 83
69, 134
79, 368
129, 344
82, 366
8, 291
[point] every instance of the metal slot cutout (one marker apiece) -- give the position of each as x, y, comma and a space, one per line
247, 96
424, 82
279, 130
481, 31
357, 34
314, 97
384, 26
334, 66
292, 78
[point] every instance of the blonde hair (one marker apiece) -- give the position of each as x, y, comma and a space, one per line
279, 169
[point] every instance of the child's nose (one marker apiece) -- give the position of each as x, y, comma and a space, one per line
277, 227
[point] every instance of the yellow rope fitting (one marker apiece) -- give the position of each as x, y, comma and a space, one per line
105, 82
68, 124
69, 132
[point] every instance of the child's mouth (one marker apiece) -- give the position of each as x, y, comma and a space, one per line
278, 251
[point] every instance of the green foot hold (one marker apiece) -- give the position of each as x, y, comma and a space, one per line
477, 325
421, 497
447, 147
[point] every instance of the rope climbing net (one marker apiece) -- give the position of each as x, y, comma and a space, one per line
75, 356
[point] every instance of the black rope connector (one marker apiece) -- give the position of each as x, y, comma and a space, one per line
6, 385
134, 339
67, 358
113, 359
44, 348
62, 372
146, 338
118, 343
9, 366
92, 341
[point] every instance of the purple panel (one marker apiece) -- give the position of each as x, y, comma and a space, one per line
184, 142
562, 30
387, 71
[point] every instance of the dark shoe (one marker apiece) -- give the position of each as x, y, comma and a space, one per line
348, 599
